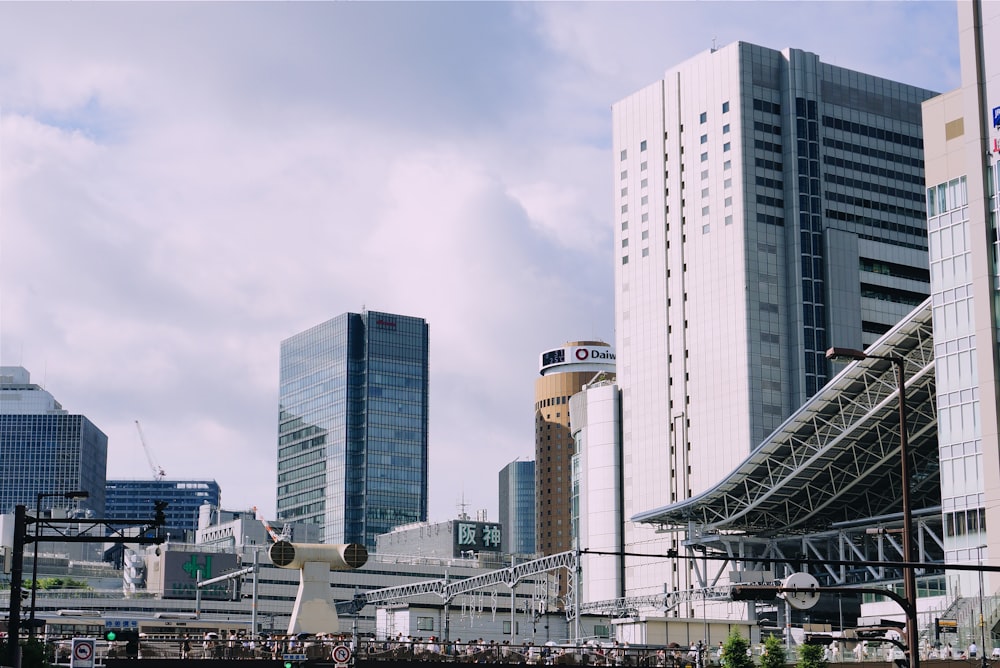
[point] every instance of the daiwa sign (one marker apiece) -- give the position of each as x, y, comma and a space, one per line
586, 357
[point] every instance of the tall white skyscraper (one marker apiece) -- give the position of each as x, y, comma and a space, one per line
767, 206
962, 128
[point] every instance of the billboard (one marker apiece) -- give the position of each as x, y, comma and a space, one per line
469, 536
179, 574
591, 357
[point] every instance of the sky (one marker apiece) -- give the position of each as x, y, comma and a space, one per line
184, 185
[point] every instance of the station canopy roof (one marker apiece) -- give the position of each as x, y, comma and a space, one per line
837, 458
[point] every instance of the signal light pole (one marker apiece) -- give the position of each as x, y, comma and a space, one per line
909, 576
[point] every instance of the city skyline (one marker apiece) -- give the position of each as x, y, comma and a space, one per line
157, 160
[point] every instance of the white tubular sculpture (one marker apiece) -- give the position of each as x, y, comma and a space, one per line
313, 612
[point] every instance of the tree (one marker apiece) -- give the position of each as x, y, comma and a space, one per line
736, 652
774, 653
811, 656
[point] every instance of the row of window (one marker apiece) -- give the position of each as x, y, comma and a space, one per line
863, 203
871, 152
873, 132
887, 225
889, 191
865, 168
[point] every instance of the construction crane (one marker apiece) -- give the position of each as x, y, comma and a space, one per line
158, 472
286, 531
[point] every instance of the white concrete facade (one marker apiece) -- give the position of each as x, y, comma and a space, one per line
595, 423
748, 240
962, 149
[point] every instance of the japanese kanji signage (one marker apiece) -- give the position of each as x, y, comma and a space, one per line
476, 536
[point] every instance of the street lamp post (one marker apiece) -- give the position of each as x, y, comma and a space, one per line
78, 494
909, 576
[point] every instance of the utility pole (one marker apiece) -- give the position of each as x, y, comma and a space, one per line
16, 573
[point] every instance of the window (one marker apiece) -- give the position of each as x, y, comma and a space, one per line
624, 175
729, 220
703, 140
642, 145
642, 166
728, 183
624, 155
703, 117
729, 201
704, 157
643, 183
645, 234
725, 129
624, 208
645, 217
425, 623
725, 107
625, 260
725, 147
645, 200
704, 229
624, 225
704, 174
704, 210
704, 192
645, 252
728, 164
624, 243
624, 192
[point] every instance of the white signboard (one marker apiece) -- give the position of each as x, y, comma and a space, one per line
83, 653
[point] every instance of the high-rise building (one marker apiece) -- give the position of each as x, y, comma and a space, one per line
352, 430
517, 507
962, 133
766, 205
597, 487
46, 450
564, 371
134, 499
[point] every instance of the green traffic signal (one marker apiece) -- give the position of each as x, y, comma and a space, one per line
110, 636
288, 664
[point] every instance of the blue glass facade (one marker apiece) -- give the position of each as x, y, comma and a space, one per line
352, 430
51, 454
517, 507
133, 499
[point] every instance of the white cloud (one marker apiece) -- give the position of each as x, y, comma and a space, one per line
182, 186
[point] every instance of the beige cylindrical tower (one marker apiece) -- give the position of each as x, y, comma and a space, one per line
563, 371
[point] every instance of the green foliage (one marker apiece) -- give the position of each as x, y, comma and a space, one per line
811, 656
62, 583
34, 654
734, 652
774, 653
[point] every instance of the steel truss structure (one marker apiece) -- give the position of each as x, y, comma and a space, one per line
821, 493
837, 459
448, 590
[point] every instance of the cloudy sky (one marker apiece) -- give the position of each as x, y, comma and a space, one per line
184, 185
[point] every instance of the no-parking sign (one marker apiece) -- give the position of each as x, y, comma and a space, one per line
83, 653
341, 654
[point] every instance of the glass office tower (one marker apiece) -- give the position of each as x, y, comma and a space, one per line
517, 507
45, 450
352, 430
134, 499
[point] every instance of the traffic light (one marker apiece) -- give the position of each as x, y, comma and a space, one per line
160, 518
121, 635
111, 635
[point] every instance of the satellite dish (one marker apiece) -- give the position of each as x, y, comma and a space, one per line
801, 600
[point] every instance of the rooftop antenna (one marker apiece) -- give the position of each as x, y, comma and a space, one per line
462, 505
